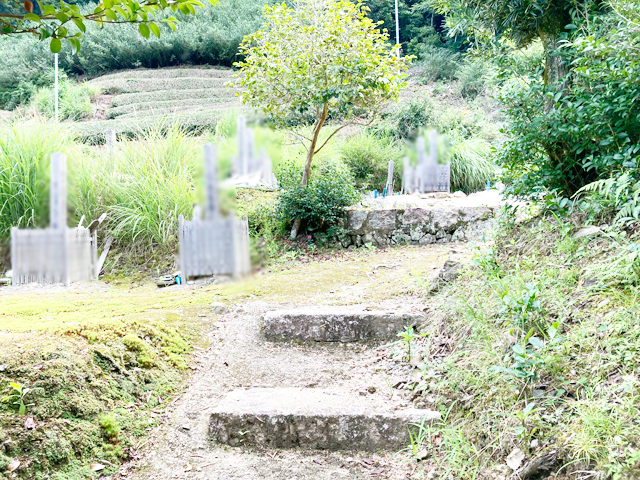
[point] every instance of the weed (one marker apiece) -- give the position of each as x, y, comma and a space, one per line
408, 337
522, 310
525, 432
16, 399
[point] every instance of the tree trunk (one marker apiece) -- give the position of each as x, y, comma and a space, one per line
320, 119
555, 69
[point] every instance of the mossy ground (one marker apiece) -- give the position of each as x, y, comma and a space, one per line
103, 362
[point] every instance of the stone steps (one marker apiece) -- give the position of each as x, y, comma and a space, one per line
336, 324
309, 418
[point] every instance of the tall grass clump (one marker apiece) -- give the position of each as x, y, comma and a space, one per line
367, 156
74, 102
471, 165
142, 186
25, 150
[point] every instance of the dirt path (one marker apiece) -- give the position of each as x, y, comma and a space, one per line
240, 357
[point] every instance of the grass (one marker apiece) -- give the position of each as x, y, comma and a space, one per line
87, 357
585, 388
368, 156
472, 165
24, 172
75, 101
142, 199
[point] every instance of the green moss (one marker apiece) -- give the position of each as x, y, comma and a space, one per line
145, 355
110, 427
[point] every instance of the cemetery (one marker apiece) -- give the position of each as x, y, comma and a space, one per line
319, 239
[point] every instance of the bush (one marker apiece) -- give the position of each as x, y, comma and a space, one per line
406, 119
563, 137
321, 205
367, 156
437, 64
472, 78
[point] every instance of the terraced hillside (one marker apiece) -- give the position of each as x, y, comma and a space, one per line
141, 98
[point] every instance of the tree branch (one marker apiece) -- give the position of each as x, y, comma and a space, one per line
340, 128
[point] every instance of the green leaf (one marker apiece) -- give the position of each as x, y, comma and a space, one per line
80, 24
32, 16
536, 342
108, 3
75, 45
144, 30
62, 17
154, 29
49, 10
56, 45
111, 15
23, 409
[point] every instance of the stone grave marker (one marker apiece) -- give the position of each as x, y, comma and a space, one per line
427, 176
249, 169
213, 245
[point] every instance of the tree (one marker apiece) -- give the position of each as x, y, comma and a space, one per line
521, 22
51, 23
321, 59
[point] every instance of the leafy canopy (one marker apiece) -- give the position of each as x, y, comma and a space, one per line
52, 23
322, 54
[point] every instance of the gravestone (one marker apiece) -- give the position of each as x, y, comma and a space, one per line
427, 176
249, 169
57, 254
389, 186
110, 139
213, 245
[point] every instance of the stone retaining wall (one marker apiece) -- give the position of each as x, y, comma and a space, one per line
418, 226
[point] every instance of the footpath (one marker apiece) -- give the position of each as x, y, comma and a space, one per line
296, 391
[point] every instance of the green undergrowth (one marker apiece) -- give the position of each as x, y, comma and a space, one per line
535, 348
98, 371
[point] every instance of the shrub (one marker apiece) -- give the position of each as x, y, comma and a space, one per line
367, 156
405, 121
472, 78
437, 64
321, 205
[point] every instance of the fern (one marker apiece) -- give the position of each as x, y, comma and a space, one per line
620, 194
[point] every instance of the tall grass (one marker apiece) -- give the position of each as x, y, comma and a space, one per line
143, 186
24, 172
367, 156
74, 101
471, 165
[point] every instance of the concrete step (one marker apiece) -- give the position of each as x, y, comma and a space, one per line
311, 418
336, 324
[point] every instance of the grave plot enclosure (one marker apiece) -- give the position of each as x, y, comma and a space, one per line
57, 254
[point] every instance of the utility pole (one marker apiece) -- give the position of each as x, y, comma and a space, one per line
397, 29
55, 88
